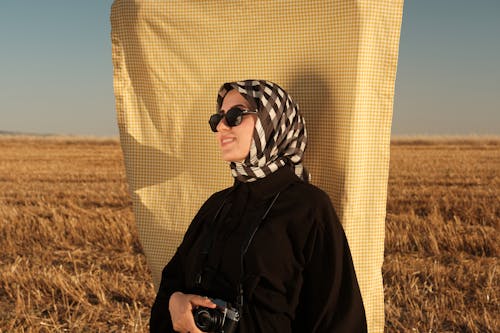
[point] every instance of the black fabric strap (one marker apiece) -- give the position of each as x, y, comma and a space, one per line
252, 230
244, 248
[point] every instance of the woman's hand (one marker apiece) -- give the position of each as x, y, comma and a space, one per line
181, 311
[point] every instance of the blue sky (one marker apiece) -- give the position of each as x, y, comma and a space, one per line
448, 79
56, 70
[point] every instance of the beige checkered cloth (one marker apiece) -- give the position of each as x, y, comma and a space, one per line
336, 58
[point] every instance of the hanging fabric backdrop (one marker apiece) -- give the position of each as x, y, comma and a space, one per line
336, 58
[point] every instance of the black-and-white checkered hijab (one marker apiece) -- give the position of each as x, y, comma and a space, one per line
279, 137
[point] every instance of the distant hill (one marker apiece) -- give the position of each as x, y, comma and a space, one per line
13, 135
8, 133
24, 133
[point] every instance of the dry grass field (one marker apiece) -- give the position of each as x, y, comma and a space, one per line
70, 259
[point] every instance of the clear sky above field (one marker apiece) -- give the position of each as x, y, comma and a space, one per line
56, 70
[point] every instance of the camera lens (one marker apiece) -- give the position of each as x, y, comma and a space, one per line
208, 320
203, 320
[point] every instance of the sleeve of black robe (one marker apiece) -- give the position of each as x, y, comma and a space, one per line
172, 278
171, 281
330, 300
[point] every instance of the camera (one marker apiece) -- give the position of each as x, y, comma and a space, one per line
221, 319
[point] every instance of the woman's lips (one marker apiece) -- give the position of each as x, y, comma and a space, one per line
224, 141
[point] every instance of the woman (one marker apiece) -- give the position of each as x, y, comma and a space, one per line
271, 245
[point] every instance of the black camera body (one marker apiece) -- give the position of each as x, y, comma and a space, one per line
223, 318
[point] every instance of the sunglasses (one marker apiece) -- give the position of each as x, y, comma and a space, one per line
233, 116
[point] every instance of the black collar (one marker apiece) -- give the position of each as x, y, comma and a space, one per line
270, 185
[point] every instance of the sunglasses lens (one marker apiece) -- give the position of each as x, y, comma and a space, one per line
214, 121
234, 116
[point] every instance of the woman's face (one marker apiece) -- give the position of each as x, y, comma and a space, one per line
234, 142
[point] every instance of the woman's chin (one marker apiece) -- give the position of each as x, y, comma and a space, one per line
231, 158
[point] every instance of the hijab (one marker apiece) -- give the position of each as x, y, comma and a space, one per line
279, 138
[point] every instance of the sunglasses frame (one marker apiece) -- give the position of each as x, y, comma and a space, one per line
233, 116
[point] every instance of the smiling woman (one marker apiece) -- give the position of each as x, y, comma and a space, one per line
267, 254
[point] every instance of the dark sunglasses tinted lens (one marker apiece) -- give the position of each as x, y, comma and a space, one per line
234, 116
214, 121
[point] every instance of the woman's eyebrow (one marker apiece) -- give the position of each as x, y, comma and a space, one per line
237, 105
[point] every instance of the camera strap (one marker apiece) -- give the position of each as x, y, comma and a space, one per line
244, 248
252, 230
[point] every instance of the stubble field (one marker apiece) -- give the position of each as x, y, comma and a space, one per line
71, 261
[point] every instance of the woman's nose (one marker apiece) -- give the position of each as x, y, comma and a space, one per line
222, 126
